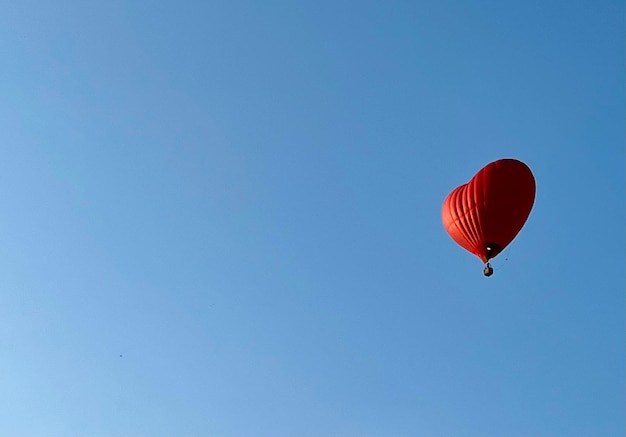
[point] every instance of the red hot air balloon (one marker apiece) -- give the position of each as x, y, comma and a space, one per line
484, 215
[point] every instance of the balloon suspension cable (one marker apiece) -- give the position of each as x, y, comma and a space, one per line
488, 270
506, 258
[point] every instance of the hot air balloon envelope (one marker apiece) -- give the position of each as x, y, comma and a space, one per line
484, 215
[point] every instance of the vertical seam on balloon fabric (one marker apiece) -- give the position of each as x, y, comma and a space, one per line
464, 226
471, 212
481, 204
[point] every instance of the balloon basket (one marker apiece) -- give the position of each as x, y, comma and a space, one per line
488, 270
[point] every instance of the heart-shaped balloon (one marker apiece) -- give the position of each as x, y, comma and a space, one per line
484, 215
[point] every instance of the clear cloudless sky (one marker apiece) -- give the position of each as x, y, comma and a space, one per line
223, 218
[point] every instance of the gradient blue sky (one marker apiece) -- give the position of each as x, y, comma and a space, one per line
242, 198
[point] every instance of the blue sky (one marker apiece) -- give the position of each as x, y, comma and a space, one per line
223, 218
